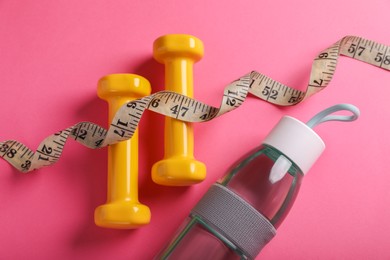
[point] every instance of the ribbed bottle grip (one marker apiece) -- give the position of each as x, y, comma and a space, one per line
235, 219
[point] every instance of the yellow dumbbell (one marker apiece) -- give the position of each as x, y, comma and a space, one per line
122, 209
178, 52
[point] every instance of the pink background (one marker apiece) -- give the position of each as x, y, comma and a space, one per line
52, 54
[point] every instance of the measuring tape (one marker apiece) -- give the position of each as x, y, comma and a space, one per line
187, 109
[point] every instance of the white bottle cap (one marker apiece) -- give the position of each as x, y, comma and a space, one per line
297, 141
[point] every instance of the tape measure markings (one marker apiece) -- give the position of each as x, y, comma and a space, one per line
183, 108
367, 51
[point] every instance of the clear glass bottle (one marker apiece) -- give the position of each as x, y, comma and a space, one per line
240, 213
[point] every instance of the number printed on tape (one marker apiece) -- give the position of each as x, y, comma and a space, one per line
187, 109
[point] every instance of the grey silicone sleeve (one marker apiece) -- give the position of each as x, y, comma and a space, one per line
235, 219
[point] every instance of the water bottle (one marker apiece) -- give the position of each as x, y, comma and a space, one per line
240, 213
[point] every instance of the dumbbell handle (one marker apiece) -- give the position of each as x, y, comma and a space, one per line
122, 161
179, 137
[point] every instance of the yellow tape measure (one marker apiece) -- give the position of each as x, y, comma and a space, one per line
187, 109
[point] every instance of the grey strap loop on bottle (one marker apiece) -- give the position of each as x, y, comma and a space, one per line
235, 219
326, 115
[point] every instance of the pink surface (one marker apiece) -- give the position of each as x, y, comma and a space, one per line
52, 54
